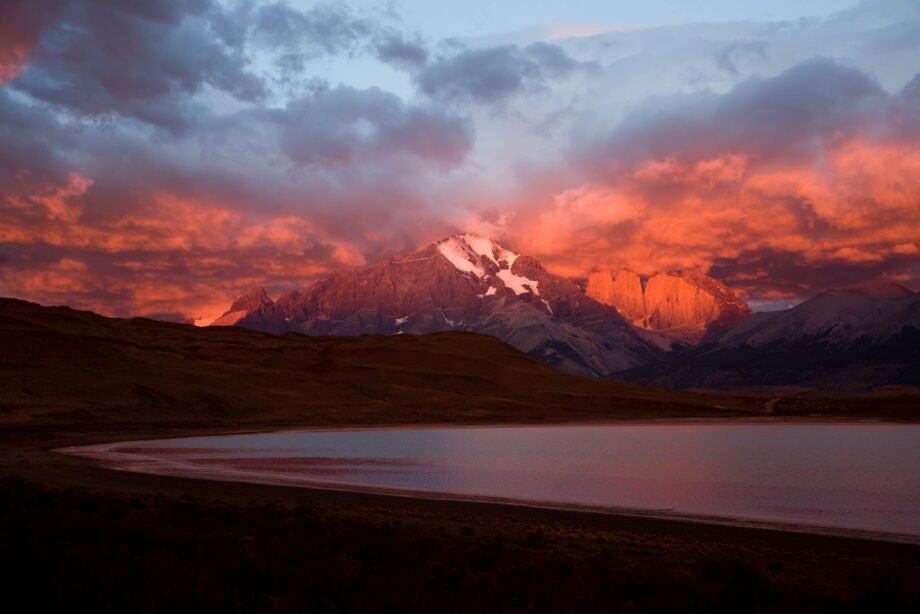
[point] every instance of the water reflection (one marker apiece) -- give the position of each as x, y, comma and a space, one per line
845, 475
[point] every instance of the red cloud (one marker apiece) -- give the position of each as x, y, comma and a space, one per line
859, 202
173, 256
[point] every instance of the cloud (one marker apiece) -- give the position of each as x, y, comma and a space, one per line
161, 157
493, 74
736, 53
20, 25
143, 61
342, 124
270, 196
173, 253
394, 49
818, 162
324, 29
792, 115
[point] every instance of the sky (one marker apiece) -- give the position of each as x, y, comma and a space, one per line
159, 158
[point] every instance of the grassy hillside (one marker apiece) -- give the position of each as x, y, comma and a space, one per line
61, 366
64, 368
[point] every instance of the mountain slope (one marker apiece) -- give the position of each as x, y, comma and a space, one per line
464, 283
849, 338
243, 306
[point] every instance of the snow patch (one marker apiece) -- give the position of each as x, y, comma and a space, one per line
480, 245
466, 251
461, 255
402, 320
519, 285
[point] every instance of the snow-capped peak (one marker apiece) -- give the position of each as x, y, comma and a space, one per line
461, 254
467, 251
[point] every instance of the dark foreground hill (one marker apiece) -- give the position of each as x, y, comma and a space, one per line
60, 366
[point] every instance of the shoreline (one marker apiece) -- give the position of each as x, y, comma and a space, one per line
86, 473
476, 548
106, 456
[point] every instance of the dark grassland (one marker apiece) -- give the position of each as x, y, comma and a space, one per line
109, 551
77, 536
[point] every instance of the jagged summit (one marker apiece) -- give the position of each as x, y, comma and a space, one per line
683, 304
486, 259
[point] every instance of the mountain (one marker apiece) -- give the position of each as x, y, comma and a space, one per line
469, 283
252, 301
856, 337
685, 305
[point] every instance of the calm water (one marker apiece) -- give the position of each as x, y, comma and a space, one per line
845, 476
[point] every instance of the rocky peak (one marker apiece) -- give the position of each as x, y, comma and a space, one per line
490, 263
253, 300
683, 304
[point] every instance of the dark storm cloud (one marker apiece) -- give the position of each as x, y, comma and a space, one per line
148, 60
788, 116
31, 144
785, 273
342, 124
493, 74
142, 60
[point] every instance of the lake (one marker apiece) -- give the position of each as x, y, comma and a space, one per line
837, 477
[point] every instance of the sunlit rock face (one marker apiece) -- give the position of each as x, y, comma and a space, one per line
464, 283
685, 305
623, 291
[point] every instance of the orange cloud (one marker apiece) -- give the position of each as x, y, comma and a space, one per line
858, 203
171, 256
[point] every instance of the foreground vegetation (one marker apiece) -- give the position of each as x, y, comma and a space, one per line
132, 552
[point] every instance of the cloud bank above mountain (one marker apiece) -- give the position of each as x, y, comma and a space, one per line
160, 157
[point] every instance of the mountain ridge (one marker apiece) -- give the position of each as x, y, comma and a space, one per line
855, 337
464, 282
